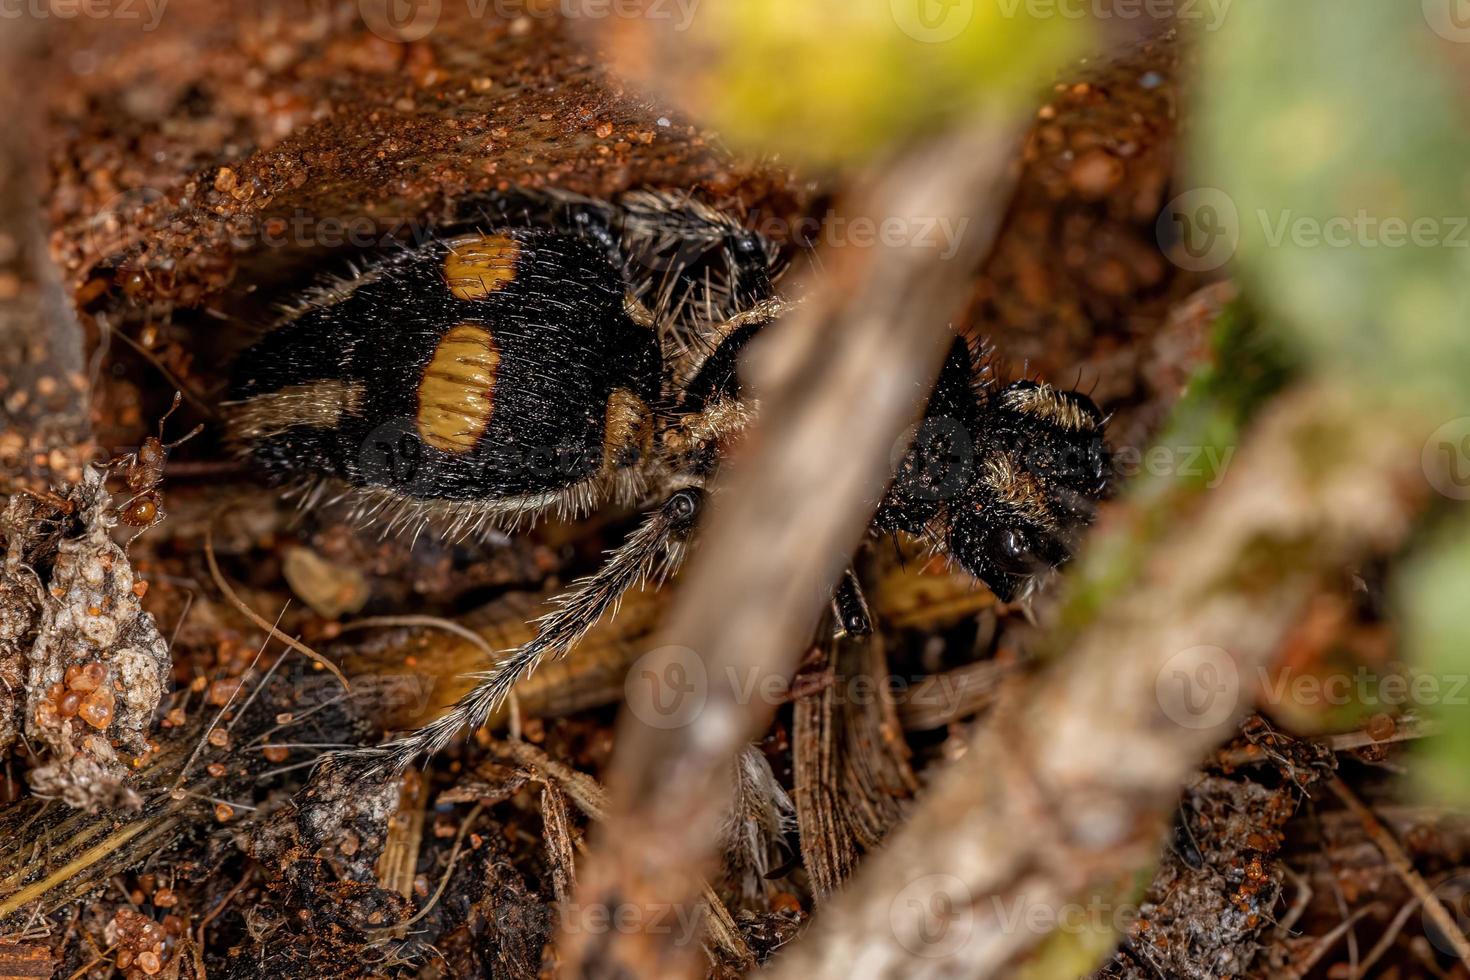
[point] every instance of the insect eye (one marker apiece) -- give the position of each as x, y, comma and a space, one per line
684, 505
747, 243
1012, 549
1085, 467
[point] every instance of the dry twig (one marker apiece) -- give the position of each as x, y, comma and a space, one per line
1398, 859
1064, 793
839, 383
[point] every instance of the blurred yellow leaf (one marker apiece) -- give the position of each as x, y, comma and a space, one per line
828, 80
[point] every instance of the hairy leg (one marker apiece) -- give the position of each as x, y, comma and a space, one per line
653, 551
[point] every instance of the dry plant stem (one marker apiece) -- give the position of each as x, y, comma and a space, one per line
250, 614
1406, 730
592, 800
1398, 858
448, 626
850, 766
594, 674
1324, 945
1390, 934
398, 864
838, 384
559, 844
1064, 793
464, 827
197, 948
204, 736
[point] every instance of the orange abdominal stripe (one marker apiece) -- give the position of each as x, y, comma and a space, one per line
457, 390
480, 265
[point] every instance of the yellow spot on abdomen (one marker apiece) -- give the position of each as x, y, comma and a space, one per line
480, 265
627, 430
457, 390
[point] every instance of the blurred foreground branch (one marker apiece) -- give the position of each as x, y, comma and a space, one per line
43, 387
841, 380
1064, 794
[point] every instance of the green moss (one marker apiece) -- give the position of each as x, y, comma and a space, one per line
1206, 427
1431, 591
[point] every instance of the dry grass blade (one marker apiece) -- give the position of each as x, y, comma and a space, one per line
592, 800
399, 863
402, 927
1398, 858
558, 832
229, 593
851, 765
